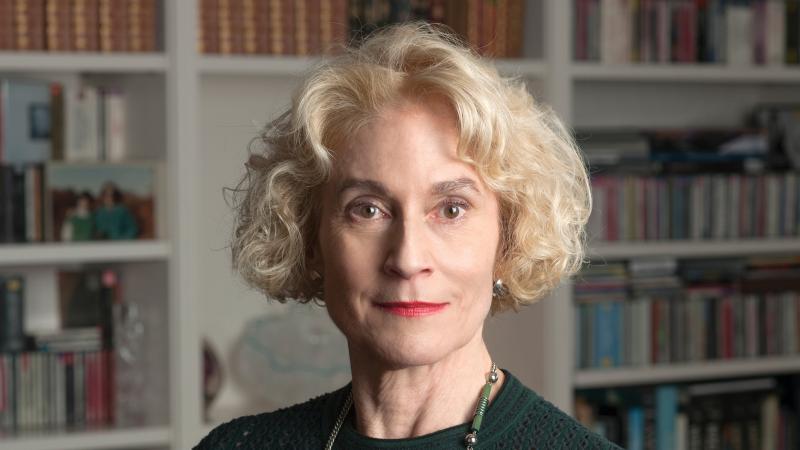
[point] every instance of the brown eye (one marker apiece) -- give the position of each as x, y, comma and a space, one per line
367, 211
451, 211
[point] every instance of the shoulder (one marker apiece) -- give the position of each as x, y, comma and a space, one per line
540, 424
296, 426
564, 431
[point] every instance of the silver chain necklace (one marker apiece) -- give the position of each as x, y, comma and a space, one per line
470, 440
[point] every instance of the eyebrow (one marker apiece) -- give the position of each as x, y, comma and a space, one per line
440, 188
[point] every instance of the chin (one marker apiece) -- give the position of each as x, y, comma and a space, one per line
410, 350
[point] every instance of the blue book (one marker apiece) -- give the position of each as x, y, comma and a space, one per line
636, 428
606, 337
666, 410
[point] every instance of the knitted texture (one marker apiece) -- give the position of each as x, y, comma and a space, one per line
518, 418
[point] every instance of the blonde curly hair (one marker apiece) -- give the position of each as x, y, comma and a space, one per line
518, 147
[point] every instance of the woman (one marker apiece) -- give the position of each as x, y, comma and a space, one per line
406, 181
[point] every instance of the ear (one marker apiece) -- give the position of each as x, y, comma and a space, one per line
314, 258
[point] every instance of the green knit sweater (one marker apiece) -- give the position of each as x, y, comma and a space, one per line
518, 418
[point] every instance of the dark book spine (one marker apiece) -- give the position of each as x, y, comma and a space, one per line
69, 387
792, 31
19, 211
12, 314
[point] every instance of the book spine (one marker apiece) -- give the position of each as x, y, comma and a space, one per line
208, 34
515, 31
301, 13
113, 25
792, 31
57, 26
7, 25
488, 22
85, 25
12, 314
29, 28
115, 125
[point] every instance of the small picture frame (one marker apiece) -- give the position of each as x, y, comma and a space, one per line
103, 201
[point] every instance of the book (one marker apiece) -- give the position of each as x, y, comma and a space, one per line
12, 314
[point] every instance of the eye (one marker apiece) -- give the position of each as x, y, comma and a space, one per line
453, 209
365, 210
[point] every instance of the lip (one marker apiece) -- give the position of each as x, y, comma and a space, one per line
411, 309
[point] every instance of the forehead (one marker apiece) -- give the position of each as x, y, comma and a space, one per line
408, 139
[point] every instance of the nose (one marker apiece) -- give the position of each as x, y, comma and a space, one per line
408, 253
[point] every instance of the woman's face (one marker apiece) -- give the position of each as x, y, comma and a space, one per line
403, 220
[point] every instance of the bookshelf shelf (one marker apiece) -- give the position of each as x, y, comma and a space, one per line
673, 373
83, 62
295, 65
15, 255
693, 248
87, 440
685, 73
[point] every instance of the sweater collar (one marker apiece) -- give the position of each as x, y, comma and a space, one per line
500, 414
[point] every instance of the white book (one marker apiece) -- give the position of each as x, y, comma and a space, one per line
776, 32
82, 124
739, 35
115, 125
681, 431
615, 31
769, 421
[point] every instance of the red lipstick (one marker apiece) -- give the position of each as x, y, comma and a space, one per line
411, 309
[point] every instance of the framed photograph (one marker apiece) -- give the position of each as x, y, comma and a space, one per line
103, 201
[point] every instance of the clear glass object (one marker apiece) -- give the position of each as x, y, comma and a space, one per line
129, 367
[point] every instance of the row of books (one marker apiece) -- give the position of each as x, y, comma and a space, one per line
705, 325
42, 121
278, 27
492, 27
79, 25
310, 27
653, 312
756, 414
47, 389
707, 206
741, 33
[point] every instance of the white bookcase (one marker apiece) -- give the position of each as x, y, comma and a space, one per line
199, 113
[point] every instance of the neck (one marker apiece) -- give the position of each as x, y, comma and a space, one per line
397, 403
